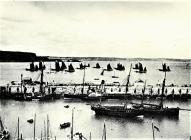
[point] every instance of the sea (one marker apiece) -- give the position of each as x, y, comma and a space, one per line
85, 120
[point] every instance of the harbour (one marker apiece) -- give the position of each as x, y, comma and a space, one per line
95, 70
87, 118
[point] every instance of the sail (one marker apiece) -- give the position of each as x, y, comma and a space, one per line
57, 66
63, 66
109, 68
32, 66
97, 65
70, 68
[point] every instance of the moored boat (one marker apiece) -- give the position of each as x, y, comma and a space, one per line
120, 67
70, 68
97, 66
154, 109
165, 68
64, 125
118, 111
109, 68
139, 68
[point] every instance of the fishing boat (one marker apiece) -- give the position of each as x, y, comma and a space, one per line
57, 66
109, 68
156, 109
41, 66
30, 121
32, 67
66, 106
64, 125
81, 66
139, 68
97, 66
118, 111
42, 95
70, 68
63, 66
35, 67
165, 68
4, 133
120, 67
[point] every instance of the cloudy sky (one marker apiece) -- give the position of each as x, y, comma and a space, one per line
119, 29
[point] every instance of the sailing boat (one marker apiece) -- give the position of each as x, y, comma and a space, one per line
70, 68
63, 66
154, 109
165, 68
120, 67
140, 68
32, 67
4, 133
97, 66
42, 95
109, 68
118, 111
81, 66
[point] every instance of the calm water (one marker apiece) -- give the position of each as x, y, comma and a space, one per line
85, 120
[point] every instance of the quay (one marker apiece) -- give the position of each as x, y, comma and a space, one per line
111, 91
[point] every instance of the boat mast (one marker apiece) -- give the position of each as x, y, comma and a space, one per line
34, 126
44, 129
143, 93
18, 128
21, 82
128, 77
41, 81
72, 124
104, 132
163, 86
83, 80
47, 128
153, 130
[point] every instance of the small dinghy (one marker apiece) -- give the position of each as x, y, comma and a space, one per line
64, 125
66, 106
30, 121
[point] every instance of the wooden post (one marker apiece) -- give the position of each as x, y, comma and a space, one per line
18, 128
34, 126
90, 136
72, 124
153, 130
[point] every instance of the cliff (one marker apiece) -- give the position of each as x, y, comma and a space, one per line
10, 56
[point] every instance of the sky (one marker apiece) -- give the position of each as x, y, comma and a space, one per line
148, 29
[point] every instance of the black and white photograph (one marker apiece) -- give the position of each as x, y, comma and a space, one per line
95, 70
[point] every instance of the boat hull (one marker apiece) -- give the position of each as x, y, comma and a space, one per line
116, 111
75, 96
163, 111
